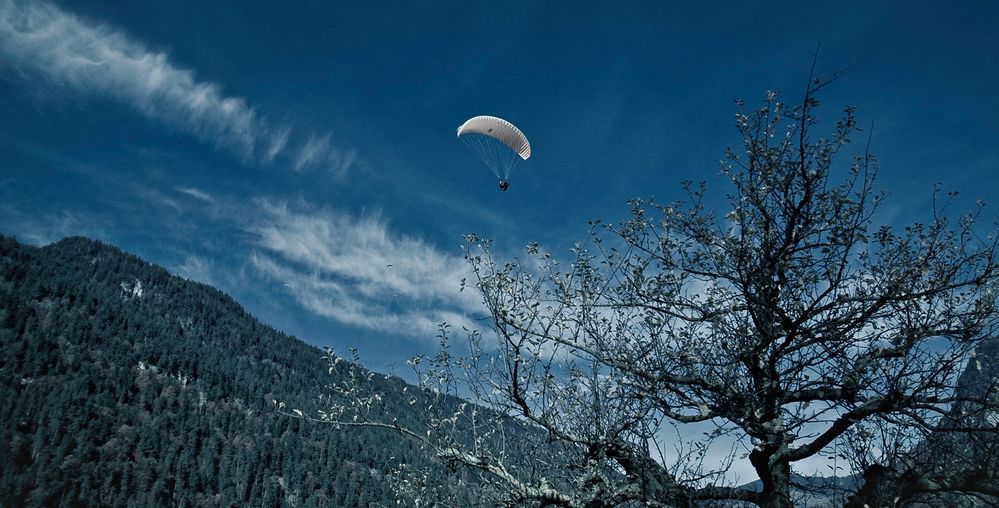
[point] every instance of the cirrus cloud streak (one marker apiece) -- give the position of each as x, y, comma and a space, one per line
358, 272
41, 41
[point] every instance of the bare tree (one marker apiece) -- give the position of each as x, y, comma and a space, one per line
784, 328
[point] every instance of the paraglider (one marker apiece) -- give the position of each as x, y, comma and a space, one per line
499, 144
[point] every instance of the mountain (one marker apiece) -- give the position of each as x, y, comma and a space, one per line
814, 491
121, 384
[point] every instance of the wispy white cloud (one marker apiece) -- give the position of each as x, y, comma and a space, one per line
358, 272
279, 139
42, 41
43, 229
196, 193
312, 152
198, 269
317, 151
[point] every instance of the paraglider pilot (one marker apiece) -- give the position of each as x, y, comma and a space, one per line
504, 185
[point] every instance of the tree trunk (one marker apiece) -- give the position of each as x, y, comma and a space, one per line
776, 479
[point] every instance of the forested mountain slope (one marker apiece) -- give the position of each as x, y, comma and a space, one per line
121, 384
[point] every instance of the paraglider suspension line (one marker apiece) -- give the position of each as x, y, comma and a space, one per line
498, 157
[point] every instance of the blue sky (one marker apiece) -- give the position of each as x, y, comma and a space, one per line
289, 153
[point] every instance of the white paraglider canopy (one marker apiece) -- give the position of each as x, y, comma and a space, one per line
499, 143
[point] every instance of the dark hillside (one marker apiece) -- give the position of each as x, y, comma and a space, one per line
121, 384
